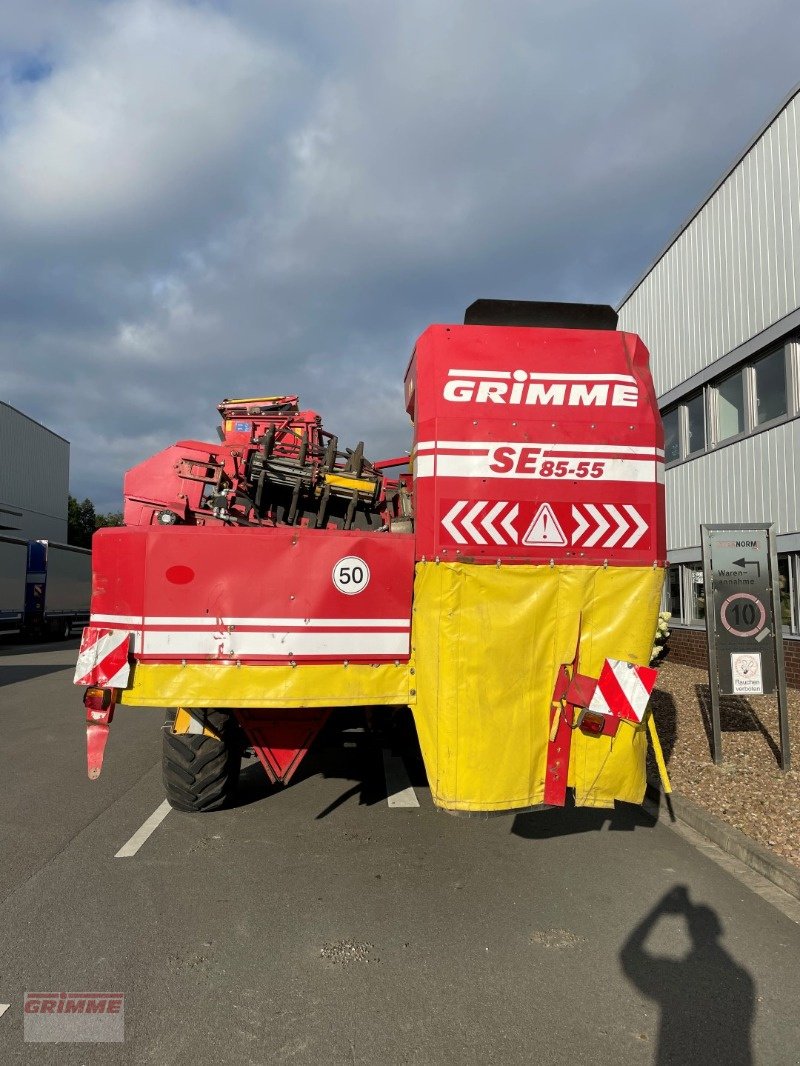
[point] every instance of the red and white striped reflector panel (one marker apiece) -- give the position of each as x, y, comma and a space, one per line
623, 690
103, 658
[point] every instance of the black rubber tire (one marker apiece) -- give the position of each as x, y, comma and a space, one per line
200, 773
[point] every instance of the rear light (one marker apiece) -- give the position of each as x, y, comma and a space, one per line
98, 699
592, 723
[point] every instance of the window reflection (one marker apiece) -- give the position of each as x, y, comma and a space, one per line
771, 387
672, 444
696, 424
730, 406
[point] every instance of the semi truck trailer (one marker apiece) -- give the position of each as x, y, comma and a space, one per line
45, 587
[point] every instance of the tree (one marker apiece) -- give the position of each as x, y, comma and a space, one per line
83, 520
113, 518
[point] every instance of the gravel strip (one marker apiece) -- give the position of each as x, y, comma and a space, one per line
748, 791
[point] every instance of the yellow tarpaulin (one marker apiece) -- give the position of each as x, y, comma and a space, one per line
228, 685
488, 644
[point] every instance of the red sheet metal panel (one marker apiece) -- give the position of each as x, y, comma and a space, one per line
281, 739
536, 444
278, 595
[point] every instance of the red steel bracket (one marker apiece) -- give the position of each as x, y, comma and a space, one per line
580, 690
555, 781
97, 723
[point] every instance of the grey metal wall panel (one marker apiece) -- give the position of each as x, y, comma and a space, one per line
34, 477
734, 270
13, 567
754, 480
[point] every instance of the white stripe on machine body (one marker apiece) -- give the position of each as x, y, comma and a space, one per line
478, 466
206, 621
287, 644
476, 459
589, 449
536, 375
259, 638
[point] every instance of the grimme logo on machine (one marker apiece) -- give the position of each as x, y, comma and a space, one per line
531, 388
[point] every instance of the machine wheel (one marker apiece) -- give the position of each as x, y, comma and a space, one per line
200, 772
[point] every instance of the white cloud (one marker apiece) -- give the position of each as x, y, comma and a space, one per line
208, 198
143, 124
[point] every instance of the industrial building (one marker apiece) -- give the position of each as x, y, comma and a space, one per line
719, 310
34, 478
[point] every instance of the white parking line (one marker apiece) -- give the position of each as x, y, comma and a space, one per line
144, 831
399, 792
3, 1008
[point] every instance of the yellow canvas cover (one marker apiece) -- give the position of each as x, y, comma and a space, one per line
227, 685
488, 645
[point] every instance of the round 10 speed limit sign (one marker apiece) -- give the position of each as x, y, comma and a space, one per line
351, 575
743, 614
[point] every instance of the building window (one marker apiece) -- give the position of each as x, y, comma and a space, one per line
696, 599
786, 588
672, 440
695, 424
684, 428
757, 394
730, 406
672, 593
771, 392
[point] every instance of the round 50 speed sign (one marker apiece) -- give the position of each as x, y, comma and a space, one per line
351, 575
743, 615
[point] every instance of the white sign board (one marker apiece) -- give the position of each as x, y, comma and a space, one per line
746, 673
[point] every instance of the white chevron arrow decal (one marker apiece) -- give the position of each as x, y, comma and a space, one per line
607, 525
602, 526
641, 526
469, 518
449, 521
490, 517
582, 526
508, 523
622, 526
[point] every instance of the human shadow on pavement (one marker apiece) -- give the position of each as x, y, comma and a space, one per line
707, 1000
569, 819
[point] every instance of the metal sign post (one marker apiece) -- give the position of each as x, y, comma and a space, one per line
743, 621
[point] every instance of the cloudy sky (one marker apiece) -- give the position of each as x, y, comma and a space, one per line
205, 199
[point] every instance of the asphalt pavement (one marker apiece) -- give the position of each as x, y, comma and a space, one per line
323, 924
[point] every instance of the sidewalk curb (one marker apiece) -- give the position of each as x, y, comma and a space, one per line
742, 847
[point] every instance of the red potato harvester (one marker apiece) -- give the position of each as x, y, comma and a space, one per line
504, 582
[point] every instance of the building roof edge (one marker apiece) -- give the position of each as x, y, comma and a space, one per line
41, 425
